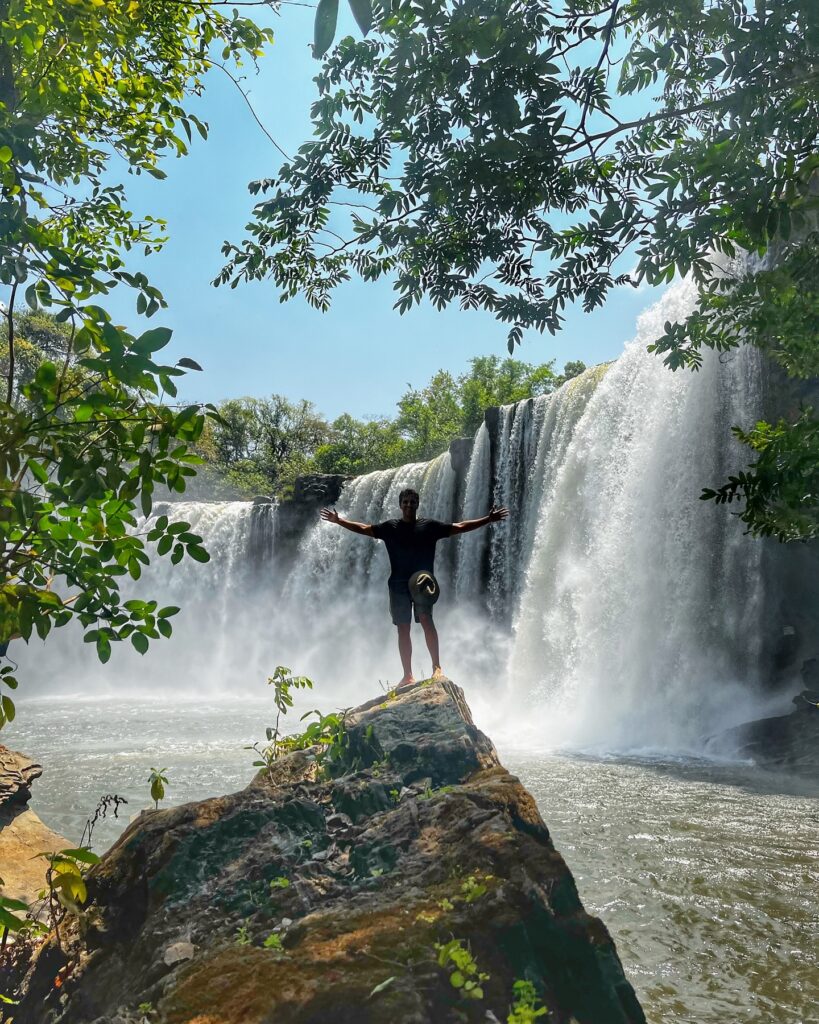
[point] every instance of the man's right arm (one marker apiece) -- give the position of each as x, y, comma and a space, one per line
329, 515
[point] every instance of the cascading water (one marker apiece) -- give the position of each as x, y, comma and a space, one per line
471, 547
640, 614
620, 608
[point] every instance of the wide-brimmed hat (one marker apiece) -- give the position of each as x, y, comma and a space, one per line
423, 587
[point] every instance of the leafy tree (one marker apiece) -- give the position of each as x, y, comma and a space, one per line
263, 444
85, 435
361, 446
503, 163
495, 382
430, 416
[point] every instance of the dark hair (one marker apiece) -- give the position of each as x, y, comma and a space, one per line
408, 492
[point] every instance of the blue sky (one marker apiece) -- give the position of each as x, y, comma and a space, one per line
361, 355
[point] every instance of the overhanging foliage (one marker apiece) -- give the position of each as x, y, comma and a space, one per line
86, 435
516, 157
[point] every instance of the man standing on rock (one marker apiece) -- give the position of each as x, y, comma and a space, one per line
411, 546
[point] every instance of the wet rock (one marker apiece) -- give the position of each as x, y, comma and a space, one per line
460, 452
308, 899
784, 743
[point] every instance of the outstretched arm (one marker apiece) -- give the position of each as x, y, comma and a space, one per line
495, 516
329, 515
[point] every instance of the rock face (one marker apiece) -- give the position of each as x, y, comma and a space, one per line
309, 899
786, 742
22, 834
17, 772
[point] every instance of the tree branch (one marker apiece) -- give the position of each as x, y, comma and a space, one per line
10, 319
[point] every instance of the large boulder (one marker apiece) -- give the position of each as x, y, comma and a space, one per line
329, 892
783, 743
22, 835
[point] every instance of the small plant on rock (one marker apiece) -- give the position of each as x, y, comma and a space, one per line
9, 921
158, 780
242, 937
274, 941
464, 974
525, 1009
283, 683
279, 883
472, 889
66, 890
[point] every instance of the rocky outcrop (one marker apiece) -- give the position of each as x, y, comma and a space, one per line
17, 772
22, 835
785, 742
307, 898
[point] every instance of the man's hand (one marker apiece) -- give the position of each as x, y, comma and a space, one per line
329, 515
496, 513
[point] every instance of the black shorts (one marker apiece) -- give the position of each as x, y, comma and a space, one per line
401, 607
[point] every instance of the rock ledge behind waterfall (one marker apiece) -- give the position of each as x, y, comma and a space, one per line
429, 839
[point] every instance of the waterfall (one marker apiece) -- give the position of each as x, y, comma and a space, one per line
640, 614
612, 606
471, 548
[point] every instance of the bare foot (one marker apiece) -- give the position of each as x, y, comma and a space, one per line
438, 673
406, 681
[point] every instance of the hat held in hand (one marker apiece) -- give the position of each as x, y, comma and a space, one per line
423, 587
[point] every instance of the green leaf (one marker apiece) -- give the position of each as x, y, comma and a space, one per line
11, 904
8, 708
324, 29
381, 986
103, 647
82, 853
189, 364
5, 154
140, 642
198, 554
8, 920
152, 341
363, 14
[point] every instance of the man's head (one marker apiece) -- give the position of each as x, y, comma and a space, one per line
408, 502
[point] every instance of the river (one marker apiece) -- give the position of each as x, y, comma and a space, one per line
705, 873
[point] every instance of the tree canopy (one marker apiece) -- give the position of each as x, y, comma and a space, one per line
86, 434
260, 445
517, 157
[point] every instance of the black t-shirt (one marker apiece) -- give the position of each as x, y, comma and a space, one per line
411, 546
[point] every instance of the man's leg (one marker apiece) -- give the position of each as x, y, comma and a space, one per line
431, 637
405, 650
401, 612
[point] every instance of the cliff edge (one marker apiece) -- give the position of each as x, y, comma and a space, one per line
418, 885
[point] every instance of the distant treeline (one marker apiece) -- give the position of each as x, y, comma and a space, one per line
263, 444
260, 445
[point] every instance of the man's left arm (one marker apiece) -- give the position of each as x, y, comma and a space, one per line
495, 516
